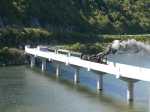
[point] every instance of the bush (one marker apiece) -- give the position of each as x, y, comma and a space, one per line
85, 48
15, 37
19, 37
110, 38
11, 56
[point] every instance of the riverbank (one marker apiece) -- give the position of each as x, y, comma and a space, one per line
12, 56
19, 37
13, 40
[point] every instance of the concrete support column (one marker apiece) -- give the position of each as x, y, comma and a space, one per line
43, 65
57, 70
76, 75
32, 63
130, 91
130, 88
100, 83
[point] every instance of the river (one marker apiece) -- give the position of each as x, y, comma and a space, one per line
23, 89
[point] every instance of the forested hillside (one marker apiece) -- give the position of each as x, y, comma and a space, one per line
98, 16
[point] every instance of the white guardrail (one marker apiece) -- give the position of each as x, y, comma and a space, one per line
117, 69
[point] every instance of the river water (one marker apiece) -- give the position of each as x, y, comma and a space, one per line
23, 89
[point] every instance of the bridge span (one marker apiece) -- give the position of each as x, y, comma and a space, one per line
127, 73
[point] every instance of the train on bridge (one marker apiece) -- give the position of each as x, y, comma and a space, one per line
101, 57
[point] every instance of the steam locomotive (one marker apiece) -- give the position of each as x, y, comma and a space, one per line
100, 57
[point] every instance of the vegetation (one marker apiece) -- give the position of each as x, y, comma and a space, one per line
85, 48
84, 25
86, 43
14, 37
98, 16
11, 56
110, 38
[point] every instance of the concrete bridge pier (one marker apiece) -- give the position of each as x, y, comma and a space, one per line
130, 91
100, 82
32, 62
130, 88
57, 70
76, 75
43, 65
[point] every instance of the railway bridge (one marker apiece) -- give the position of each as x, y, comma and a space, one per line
128, 73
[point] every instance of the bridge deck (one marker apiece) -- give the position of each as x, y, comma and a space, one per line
112, 68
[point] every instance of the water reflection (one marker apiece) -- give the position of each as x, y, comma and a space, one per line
26, 90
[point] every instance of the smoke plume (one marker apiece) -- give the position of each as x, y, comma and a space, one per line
131, 45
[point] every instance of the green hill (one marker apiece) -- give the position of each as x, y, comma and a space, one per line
97, 16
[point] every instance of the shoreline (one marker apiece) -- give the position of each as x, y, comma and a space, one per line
9, 65
12, 57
